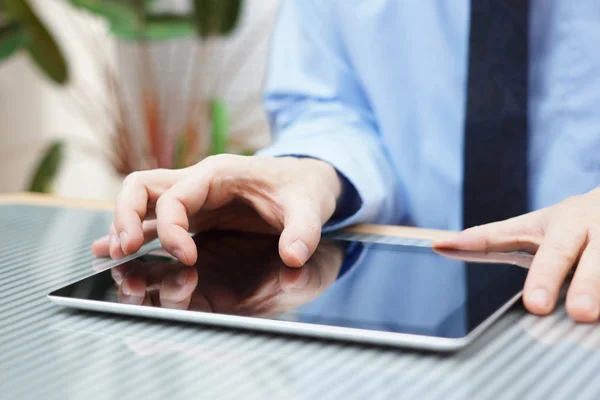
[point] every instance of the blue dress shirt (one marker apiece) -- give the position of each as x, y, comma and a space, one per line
378, 88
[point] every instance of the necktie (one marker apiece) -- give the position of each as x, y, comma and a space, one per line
495, 149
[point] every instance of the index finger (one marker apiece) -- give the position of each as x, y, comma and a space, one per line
173, 209
522, 233
138, 190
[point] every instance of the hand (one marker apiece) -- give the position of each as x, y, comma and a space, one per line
290, 196
235, 274
158, 283
560, 236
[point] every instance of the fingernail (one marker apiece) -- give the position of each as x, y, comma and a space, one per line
117, 276
448, 240
584, 302
182, 277
300, 251
125, 290
303, 279
112, 239
123, 237
180, 255
540, 298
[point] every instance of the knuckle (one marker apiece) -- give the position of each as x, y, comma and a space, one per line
118, 217
133, 179
218, 160
532, 233
163, 200
314, 228
216, 167
560, 251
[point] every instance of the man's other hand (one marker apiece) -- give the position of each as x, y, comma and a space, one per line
560, 236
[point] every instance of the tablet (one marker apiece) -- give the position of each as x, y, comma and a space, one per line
387, 294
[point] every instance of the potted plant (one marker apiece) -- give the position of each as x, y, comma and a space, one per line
147, 131
21, 30
143, 131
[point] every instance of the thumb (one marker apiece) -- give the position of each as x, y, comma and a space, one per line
301, 233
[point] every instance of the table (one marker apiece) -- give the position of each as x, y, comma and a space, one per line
48, 352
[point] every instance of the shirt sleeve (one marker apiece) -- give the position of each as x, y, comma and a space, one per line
318, 109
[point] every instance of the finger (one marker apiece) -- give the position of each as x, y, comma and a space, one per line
551, 264
177, 288
139, 189
522, 260
132, 290
301, 233
173, 209
293, 278
114, 248
523, 233
199, 302
583, 297
101, 247
118, 273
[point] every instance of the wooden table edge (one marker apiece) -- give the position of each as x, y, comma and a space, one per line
48, 200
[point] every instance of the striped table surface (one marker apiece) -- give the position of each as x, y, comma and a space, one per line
49, 352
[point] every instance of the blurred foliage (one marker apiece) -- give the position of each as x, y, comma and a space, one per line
135, 19
47, 169
220, 126
216, 17
12, 38
22, 29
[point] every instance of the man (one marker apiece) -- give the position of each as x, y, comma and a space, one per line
428, 113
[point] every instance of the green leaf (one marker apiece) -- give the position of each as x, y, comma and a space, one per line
220, 127
117, 13
12, 38
231, 11
130, 19
167, 26
41, 46
46, 171
202, 13
157, 27
216, 17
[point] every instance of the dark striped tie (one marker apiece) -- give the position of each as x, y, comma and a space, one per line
495, 149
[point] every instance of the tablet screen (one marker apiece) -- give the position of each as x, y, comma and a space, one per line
354, 284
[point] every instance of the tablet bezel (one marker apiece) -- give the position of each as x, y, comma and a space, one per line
304, 329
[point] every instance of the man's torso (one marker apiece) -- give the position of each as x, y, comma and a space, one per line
411, 59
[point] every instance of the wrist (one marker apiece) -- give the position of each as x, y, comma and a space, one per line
333, 179
347, 199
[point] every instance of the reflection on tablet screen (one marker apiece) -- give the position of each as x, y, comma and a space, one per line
352, 284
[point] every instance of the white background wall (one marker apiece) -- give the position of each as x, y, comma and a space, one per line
32, 110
